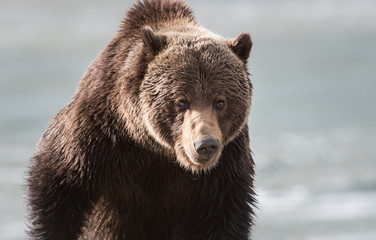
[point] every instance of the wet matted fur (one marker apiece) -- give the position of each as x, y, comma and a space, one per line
119, 162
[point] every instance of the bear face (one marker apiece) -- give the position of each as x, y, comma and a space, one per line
195, 95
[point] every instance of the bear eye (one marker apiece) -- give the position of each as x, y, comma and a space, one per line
219, 104
182, 104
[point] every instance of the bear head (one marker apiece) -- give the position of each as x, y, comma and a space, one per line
196, 93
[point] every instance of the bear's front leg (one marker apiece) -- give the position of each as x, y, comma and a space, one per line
228, 218
57, 205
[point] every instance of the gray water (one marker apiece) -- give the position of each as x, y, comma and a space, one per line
313, 131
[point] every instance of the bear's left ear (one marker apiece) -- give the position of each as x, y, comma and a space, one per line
153, 41
241, 46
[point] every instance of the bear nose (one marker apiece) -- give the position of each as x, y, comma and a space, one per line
206, 147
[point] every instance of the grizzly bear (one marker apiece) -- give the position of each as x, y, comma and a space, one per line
155, 143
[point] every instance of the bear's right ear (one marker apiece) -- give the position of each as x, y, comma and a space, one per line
154, 42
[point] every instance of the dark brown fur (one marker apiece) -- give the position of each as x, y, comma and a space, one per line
113, 164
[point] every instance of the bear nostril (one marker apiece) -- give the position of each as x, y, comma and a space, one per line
206, 146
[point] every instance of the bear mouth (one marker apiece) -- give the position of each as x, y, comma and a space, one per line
189, 160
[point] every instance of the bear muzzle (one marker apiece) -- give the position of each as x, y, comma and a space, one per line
201, 140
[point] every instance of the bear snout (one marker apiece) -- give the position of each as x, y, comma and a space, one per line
201, 140
206, 147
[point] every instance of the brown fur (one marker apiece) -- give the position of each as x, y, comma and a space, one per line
118, 162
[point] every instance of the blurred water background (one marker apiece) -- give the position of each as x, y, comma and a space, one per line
313, 118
